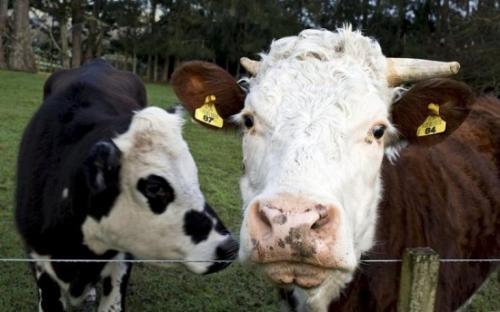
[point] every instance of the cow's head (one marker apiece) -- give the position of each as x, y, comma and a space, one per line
321, 111
146, 200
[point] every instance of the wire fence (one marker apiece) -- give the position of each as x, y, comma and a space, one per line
166, 261
445, 260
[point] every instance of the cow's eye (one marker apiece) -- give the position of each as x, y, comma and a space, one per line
378, 131
157, 191
248, 121
154, 189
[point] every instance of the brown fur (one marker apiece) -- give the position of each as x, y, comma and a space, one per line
447, 197
453, 97
195, 80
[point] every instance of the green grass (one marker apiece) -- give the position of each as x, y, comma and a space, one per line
218, 156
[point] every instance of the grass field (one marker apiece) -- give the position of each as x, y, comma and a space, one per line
218, 157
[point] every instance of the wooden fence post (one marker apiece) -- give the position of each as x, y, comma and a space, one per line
418, 283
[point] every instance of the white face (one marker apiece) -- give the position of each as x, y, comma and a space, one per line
313, 144
160, 212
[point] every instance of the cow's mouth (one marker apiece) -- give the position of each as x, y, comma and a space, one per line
294, 273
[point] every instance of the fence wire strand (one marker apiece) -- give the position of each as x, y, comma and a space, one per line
160, 261
445, 260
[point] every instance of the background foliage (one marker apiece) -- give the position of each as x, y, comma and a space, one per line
151, 36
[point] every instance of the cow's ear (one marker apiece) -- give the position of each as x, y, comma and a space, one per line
209, 93
431, 110
102, 166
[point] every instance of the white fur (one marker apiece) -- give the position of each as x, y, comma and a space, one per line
153, 145
116, 271
46, 267
314, 101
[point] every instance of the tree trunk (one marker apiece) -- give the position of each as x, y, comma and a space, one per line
3, 31
77, 16
21, 56
63, 28
98, 48
99, 7
148, 68
149, 74
445, 8
177, 61
93, 37
134, 60
400, 47
155, 70
166, 64
127, 56
365, 15
378, 9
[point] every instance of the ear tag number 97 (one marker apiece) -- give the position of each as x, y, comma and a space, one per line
207, 113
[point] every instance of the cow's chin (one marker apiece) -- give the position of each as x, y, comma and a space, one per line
295, 274
316, 286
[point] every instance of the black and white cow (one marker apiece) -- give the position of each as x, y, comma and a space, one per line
100, 176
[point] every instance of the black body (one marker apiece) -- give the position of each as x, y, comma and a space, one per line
80, 108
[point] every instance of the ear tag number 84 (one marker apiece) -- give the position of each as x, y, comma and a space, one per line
207, 113
433, 124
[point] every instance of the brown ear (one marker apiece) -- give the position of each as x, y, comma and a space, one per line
194, 81
412, 110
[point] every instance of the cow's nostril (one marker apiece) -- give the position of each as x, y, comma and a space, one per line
260, 220
264, 218
320, 222
322, 217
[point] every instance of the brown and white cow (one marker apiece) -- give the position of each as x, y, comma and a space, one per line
342, 164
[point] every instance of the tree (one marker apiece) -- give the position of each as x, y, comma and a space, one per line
151, 26
3, 31
77, 25
128, 21
95, 30
63, 34
58, 11
22, 57
144, 35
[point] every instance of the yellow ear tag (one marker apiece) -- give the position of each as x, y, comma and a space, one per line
433, 124
207, 113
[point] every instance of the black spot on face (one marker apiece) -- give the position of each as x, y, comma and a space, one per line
197, 225
101, 171
107, 286
158, 192
219, 227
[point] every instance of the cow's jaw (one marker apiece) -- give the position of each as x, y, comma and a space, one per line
312, 142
